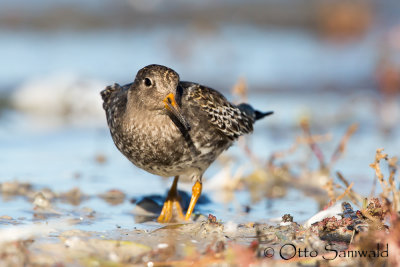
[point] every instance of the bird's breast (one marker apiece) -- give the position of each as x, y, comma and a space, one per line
158, 146
154, 144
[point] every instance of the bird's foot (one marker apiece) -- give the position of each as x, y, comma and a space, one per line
171, 207
196, 192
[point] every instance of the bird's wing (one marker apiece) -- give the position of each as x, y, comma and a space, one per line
226, 117
110, 91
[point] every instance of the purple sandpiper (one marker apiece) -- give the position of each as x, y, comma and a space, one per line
171, 128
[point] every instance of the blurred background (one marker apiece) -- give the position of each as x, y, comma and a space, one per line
333, 63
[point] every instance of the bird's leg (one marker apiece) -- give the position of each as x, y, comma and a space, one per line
171, 202
196, 192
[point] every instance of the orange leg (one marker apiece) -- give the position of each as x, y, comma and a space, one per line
169, 204
196, 192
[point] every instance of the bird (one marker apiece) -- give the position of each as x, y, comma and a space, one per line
174, 128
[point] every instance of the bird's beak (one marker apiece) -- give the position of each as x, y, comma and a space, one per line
172, 106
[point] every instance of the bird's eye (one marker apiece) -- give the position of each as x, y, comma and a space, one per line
147, 82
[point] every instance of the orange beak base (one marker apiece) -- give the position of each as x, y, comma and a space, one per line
172, 106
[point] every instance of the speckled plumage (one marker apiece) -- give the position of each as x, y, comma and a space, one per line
153, 139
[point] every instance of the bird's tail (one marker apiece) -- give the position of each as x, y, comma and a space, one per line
251, 112
260, 115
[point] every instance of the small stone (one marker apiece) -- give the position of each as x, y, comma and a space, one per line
40, 201
100, 158
287, 218
113, 196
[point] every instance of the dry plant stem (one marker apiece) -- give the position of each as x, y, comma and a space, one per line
343, 143
352, 236
393, 168
317, 138
390, 185
313, 145
378, 157
373, 188
331, 192
240, 89
244, 146
346, 192
355, 198
369, 216
282, 154
298, 141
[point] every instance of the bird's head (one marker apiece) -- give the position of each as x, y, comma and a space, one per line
156, 88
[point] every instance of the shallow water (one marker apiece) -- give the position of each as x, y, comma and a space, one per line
64, 157
42, 146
